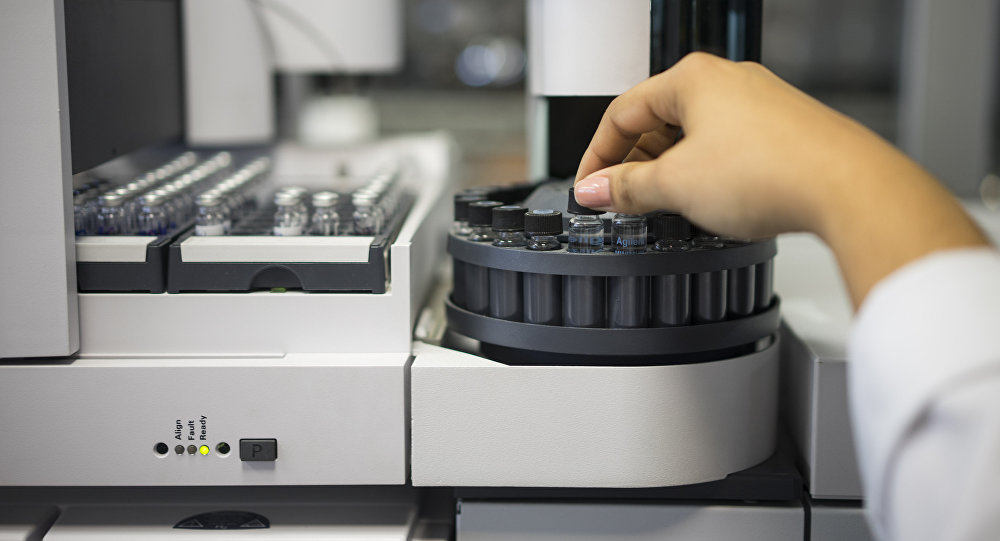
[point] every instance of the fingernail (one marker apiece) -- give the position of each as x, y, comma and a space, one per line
594, 192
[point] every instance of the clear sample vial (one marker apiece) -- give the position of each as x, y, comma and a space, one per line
628, 233
481, 220
210, 221
366, 222
543, 227
508, 226
671, 293
288, 220
84, 217
628, 296
325, 220
583, 297
543, 292
111, 216
152, 218
586, 229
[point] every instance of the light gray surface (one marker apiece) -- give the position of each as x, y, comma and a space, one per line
489, 521
306, 521
476, 422
948, 88
25, 522
338, 420
839, 523
229, 98
38, 307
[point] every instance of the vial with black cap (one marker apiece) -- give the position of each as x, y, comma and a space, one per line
477, 277
586, 229
461, 224
506, 286
543, 292
671, 292
583, 296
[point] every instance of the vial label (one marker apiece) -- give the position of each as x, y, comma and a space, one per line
288, 231
209, 230
595, 242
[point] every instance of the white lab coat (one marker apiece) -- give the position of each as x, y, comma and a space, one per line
925, 398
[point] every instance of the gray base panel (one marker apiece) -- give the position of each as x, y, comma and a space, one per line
506, 521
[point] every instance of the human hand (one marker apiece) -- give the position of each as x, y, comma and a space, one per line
758, 158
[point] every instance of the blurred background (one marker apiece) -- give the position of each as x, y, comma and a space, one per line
465, 61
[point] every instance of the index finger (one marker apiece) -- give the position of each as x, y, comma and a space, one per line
645, 107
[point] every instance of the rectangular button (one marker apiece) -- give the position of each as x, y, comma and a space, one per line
259, 449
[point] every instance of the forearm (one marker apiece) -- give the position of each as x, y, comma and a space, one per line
882, 211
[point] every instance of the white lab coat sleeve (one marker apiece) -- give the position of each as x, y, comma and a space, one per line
925, 398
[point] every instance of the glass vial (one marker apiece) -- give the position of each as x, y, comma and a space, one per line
508, 226
481, 220
84, 218
628, 296
461, 225
152, 218
586, 229
628, 233
111, 216
365, 219
583, 296
477, 277
325, 220
543, 292
211, 219
288, 219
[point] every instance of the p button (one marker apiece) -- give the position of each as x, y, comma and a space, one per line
259, 450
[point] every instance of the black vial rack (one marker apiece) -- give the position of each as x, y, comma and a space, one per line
556, 307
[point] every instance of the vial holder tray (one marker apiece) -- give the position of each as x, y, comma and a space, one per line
356, 276
124, 264
646, 308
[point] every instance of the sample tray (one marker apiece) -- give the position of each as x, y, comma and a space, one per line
250, 259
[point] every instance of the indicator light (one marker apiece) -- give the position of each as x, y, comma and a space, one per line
204, 449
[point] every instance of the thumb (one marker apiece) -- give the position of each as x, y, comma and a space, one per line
632, 187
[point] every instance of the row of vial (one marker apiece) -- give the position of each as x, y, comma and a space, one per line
164, 199
372, 204
598, 301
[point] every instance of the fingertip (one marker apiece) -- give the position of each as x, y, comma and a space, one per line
594, 192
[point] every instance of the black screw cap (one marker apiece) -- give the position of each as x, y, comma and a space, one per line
509, 218
481, 213
576, 208
462, 201
543, 222
671, 226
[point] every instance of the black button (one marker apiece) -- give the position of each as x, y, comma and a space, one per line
259, 449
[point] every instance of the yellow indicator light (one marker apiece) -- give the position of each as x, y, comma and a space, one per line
203, 449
